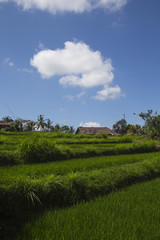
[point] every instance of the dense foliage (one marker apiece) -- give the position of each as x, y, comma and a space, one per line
152, 123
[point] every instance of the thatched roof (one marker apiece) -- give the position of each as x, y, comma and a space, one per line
96, 130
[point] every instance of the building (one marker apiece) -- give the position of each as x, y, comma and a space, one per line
4, 125
96, 130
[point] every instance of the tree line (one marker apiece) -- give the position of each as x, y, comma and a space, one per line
41, 124
151, 125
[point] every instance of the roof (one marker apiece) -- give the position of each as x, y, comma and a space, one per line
5, 123
96, 130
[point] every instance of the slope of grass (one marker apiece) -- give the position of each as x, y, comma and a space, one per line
38, 150
75, 165
130, 214
20, 194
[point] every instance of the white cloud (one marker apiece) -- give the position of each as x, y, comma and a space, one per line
8, 62
112, 5
90, 124
72, 97
77, 6
77, 65
109, 93
81, 94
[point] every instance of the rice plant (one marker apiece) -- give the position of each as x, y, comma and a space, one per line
132, 213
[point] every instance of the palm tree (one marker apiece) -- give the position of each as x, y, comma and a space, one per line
65, 129
57, 128
18, 125
7, 119
49, 124
29, 126
41, 121
71, 129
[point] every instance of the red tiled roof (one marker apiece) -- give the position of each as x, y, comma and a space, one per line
5, 123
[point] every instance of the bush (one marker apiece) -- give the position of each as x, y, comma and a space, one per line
37, 150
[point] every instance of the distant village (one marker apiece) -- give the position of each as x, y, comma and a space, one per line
150, 128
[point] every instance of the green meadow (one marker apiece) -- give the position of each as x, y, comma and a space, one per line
66, 186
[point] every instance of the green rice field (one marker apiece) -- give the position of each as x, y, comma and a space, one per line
132, 213
65, 186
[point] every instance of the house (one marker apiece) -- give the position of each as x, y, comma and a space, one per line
4, 125
96, 130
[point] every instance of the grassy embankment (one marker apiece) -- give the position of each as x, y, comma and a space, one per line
52, 147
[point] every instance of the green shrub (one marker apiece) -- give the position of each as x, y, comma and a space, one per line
37, 150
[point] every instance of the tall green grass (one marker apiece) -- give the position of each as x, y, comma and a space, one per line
75, 165
95, 140
38, 150
130, 214
18, 193
9, 158
62, 137
93, 170
45, 147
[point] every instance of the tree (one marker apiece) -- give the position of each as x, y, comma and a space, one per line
29, 125
17, 125
41, 121
7, 119
65, 129
49, 124
152, 123
120, 126
57, 128
134, 129
71, 129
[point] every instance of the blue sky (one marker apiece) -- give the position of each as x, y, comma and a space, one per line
79, 61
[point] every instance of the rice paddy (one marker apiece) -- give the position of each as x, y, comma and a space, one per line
86, 181
132, 213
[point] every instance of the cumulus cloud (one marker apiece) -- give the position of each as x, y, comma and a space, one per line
78, 65
77, 6
90, 124
109, 93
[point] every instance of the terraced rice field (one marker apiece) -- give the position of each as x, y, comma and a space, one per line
86, 181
